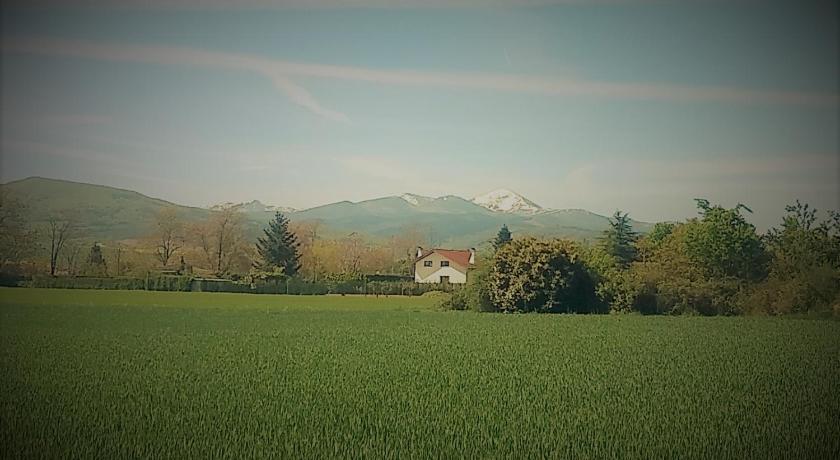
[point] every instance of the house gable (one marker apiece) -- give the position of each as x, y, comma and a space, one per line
437, 263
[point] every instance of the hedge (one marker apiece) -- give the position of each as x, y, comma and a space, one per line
151, 283
293, 286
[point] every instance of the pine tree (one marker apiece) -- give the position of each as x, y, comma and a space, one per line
279, 247
502, 238
619, 240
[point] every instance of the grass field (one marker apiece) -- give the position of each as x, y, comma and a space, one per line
110, 374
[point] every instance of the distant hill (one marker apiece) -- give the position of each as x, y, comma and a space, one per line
454, 221
102, 212
110, 213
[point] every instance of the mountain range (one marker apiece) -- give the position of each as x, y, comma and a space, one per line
110, 213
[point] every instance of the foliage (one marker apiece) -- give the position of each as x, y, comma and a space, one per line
190, 375
475, 294
502, 238
17, 239
96, 261
723, 244
150, 283
653, 240
615, 287
278, 248
531, 275
619, 240
805, 268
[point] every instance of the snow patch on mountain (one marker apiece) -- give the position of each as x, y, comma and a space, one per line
415, 200
254, 206
504, 200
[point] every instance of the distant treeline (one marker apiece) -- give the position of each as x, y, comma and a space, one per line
714, 264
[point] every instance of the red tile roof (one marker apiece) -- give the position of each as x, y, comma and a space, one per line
460, 257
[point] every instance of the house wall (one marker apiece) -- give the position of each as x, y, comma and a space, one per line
456, 273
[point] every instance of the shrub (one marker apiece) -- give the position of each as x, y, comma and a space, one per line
531, 275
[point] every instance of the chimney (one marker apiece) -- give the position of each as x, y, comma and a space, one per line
472, 256
419, 252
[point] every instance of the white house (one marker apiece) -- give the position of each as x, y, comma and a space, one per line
443, 265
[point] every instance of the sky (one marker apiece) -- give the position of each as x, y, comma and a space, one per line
634, 105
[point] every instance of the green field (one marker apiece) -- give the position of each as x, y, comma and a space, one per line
110, 374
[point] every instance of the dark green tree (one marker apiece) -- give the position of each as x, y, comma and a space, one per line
502, 238
96, 261
279, 247
620, 240
723, 244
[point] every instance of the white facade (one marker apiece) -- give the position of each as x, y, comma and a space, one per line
455, 276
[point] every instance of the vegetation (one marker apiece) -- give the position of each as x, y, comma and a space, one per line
502, 238
102, 374
278, 248
714, 264
619, 240
17, 239
530, 275
169, 234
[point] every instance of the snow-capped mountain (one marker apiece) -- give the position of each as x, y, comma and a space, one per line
255, 206
504, 200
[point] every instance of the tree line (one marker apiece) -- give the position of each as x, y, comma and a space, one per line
716, 263
713, 264
222, 245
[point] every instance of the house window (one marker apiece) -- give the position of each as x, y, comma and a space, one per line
444, 263
427, 263
444, 279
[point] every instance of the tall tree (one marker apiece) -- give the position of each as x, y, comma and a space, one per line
278, 248
222, 241
724, 244
70, 254
169, 235
502, 238
96, 261
58, 231
619, 240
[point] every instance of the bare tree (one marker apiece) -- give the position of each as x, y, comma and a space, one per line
169, 234
222, 240
71, 252
59, 231
118, 259
352, 251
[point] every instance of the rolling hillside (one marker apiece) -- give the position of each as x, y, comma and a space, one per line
102, 212
109, 213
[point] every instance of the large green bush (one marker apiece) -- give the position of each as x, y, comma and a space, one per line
532, 275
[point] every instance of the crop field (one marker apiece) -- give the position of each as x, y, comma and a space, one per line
115, 374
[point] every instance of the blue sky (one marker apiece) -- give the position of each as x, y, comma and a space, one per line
637, 105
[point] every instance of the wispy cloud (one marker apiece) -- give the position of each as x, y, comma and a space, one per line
175, 56
309, 4
281, 73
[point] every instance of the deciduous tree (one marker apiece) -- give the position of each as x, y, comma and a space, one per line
59, 230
